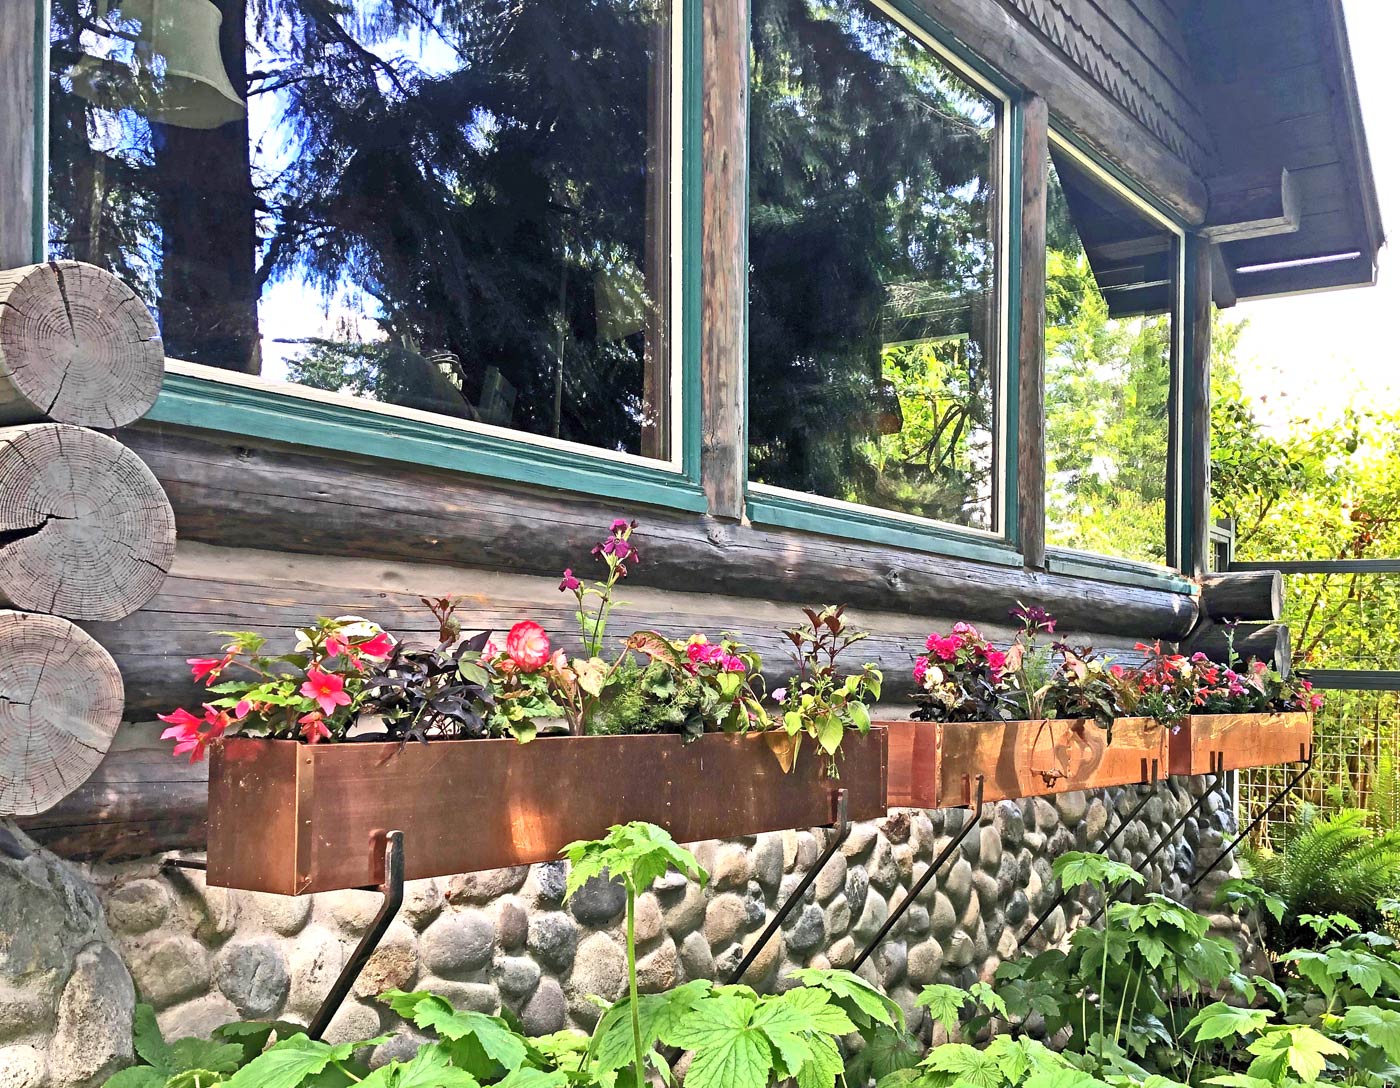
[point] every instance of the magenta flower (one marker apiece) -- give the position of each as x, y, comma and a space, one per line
569, 584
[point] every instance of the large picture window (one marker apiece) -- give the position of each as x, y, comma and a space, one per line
457, 207
874, 346
1111, 297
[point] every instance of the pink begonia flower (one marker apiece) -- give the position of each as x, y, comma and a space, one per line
326, 689
920, 670
996, 660
490, 650
189, 733
528, 645
569, 583
377, 648
945, 649
313, 728
208, 669
966, 629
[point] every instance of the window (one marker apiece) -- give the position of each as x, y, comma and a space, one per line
874, 344
461, 208
1112, 274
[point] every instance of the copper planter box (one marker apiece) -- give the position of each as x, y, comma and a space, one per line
294, 818
1206, 743
936, 764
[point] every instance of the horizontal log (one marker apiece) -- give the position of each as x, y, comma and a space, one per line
140, 801
241, 493
76, 346
1270, 643
1243, 595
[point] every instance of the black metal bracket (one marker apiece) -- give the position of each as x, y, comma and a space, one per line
392, 889
842, 826
1274, 802
974, 819
1044, 915
1217, 776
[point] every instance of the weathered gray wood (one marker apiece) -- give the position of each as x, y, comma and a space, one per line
235, 493
85, 529
60, 704
1254, 204
1030, 447
76, 346
1270, 643
138, 802
723, 260
1000, 30
1196, 389
17, 31
1244, 595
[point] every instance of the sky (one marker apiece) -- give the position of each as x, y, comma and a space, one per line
1311, 355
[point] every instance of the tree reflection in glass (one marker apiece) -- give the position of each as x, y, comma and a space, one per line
872, 224
1111, 277
459, 206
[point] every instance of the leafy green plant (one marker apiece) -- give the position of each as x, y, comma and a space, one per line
1328, 865
819, 701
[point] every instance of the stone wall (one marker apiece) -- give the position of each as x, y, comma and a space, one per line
203, 956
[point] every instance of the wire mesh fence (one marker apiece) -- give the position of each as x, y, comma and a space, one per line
1356, 758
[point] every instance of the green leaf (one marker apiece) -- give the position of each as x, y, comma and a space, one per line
431, 1067
1077, 867
988, 998
1221, 1021
489, 1033
288, 1064
824, 1066
971, 1067
1376, 1027
253, 1035
729, 1051
613, 1046
944, 1003
138, 1076
640, 852
525, 1077
829, 734
195, 1078
147, 1040
863, 1002
860, 715
1298, 1047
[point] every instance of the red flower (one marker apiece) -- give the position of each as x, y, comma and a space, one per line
327, 689
189, 732
528, 645
378, 647
313, 728
208, 669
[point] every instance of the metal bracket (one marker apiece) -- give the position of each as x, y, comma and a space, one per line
1217, 776
393, 900
842, 826
1044, 915
1276, 800
975, 818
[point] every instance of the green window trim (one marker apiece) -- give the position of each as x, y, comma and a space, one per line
869, 525
256, 410
1104, 568
268, 413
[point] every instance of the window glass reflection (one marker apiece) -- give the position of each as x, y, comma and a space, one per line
1111, 273
872, 312
458, 206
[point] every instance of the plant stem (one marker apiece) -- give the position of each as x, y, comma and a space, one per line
632, 981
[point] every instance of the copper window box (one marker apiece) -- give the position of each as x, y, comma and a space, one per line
936, 764
1207, 743
294, 818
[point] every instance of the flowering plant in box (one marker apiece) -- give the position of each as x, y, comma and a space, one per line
962, 677
313, 693
819, 700
721, 681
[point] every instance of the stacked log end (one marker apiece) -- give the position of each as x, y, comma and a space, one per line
86, 531
1239, 615
60, 705
76, 346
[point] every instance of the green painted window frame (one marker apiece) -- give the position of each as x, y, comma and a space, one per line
266, 410
788, 510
